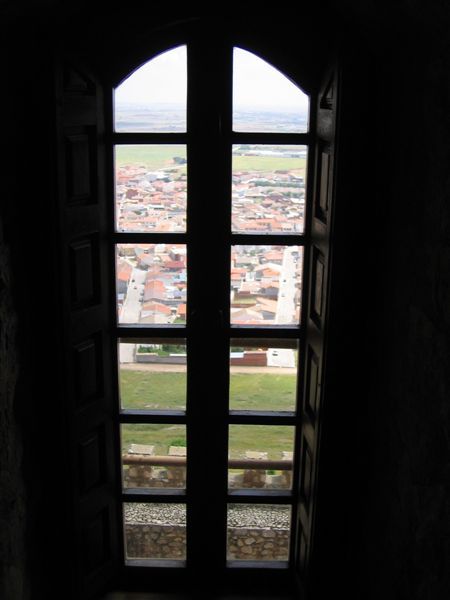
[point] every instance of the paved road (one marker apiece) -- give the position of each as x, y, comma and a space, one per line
131, 311
285, 314
161, 368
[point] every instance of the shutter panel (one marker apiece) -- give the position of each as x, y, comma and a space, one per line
316, 311
87, 342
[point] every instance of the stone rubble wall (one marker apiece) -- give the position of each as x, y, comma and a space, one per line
144, 476
245, 543
155, 541
169, 542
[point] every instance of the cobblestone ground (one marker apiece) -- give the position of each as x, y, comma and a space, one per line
238, 516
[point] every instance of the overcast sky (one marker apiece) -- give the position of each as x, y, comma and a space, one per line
255, 84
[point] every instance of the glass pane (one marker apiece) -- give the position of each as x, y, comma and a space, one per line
266, 285
150, 188
260, 456
268, 188
153, 456
152, 376
258, 532
153, 98
151, 284
263, 376
265, 100
154, 531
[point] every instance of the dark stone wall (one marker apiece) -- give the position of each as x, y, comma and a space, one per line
408, 512
386, 505
31, 411
385, 522
12, 498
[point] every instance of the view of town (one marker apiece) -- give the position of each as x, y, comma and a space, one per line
151, 188
151, 283
268, 188
265, 285
268, 196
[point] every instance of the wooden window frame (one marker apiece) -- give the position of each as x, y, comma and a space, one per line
209, 124
89, 332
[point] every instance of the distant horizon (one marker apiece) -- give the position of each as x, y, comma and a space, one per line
160, 106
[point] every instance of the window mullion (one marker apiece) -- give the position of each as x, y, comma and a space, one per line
209, 217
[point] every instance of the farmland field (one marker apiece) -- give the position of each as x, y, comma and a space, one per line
269, 163
155, 157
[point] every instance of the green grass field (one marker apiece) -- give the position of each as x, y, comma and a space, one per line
156, 157
248, 391
144, 389
159, 436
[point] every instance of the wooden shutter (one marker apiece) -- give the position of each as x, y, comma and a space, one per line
316, 317
87, 342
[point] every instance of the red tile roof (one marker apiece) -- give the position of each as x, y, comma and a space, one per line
156, 307
124, 271
155, 284
174, 264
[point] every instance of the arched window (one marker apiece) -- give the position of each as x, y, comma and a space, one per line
220, 200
